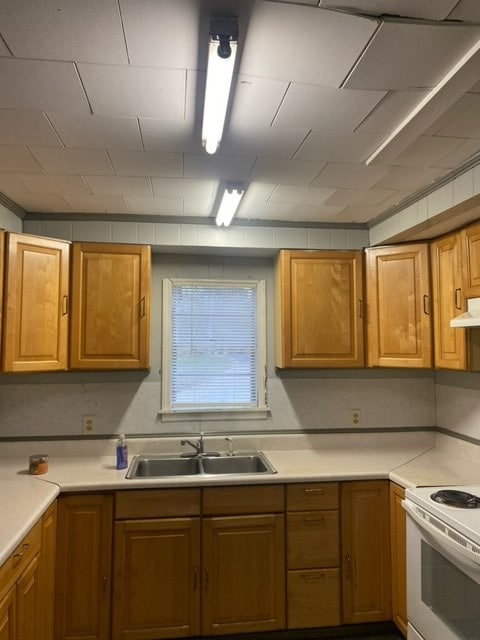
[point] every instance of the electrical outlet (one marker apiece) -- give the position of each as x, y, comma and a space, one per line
88, 425
355, 417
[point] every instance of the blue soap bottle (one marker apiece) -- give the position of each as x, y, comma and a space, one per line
122, 452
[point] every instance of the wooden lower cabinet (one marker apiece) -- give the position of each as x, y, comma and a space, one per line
28, 602
156, 579
398, 525
7, 616
47, 572
244, 574
366, 573
83, 567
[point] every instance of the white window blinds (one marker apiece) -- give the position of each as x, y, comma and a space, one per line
214, 346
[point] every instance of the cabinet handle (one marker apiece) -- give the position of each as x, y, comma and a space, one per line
426, 305
348, 561
105, 585
142, 307
315, 490
312, 520
195, 578
360, 308
206, 579
65, 305
20, 554
316, 578
458, 299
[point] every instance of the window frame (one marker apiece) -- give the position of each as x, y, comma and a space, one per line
258, 412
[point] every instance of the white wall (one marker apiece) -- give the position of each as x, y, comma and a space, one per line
53, 404
9, 221
457, 398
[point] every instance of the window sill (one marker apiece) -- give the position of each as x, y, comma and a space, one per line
213, 414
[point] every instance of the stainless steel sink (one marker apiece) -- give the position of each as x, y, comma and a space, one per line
164, 466
256, 463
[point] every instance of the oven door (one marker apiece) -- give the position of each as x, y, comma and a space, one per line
443, 580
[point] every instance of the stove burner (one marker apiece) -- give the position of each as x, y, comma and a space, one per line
454, 498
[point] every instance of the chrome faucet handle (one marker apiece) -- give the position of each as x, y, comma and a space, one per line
230, 446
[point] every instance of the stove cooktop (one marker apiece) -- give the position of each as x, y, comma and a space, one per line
465, 519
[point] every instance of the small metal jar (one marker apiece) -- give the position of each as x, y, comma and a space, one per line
38, 464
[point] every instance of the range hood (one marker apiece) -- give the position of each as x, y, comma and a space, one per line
471, 318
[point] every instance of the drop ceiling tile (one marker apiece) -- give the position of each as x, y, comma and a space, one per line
255, 210
396, 198
96, 132
146, 163
17, 159
69, 30
409, 55
41, 86
278, 30
73, 161
178, 136
325, 108
19, 127
255, 101
344, 175
155, 206
12, 187
198, 207
358, 197
458, 156
45, 203
408, 178
467, 123
391, 111
116, 186
331, 147
302, 195
235, 168
426, 9
458, 107
184, 187
134, 91
98, 204
359, 214
427, 150
475, 88
194, 94
151, 30
4, 52
466, 10
295, 172
314, 212
265, 141
50, 183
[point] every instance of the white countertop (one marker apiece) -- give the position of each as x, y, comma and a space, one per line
410, 459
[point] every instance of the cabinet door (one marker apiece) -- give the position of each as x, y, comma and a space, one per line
156, 584
110, 306
47, 572
366, 551
471, 262
450, 344
313, 598
7, 616
244, 574
35, 330
398, 524
319, 309
28, 602
83, 565
399, 332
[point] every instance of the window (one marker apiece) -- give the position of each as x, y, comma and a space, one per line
214, 349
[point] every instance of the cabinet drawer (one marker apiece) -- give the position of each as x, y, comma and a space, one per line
18, 561
312, 539
313, 598
314, 495
157, 503
243, 500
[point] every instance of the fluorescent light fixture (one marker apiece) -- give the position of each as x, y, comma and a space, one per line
222, 49
228, 206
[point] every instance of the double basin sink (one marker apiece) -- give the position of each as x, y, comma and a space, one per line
164, 466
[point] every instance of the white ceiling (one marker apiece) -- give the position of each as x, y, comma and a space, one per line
101, 106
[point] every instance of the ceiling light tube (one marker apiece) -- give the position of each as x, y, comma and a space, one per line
221, 61
228, 206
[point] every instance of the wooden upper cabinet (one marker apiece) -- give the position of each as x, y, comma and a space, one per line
35, 323
399, 323
319, 309
110, 326
471, 262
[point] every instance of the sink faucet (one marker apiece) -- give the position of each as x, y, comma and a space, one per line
230, 446
198, 446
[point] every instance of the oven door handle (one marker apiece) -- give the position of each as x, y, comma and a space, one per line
443, 539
